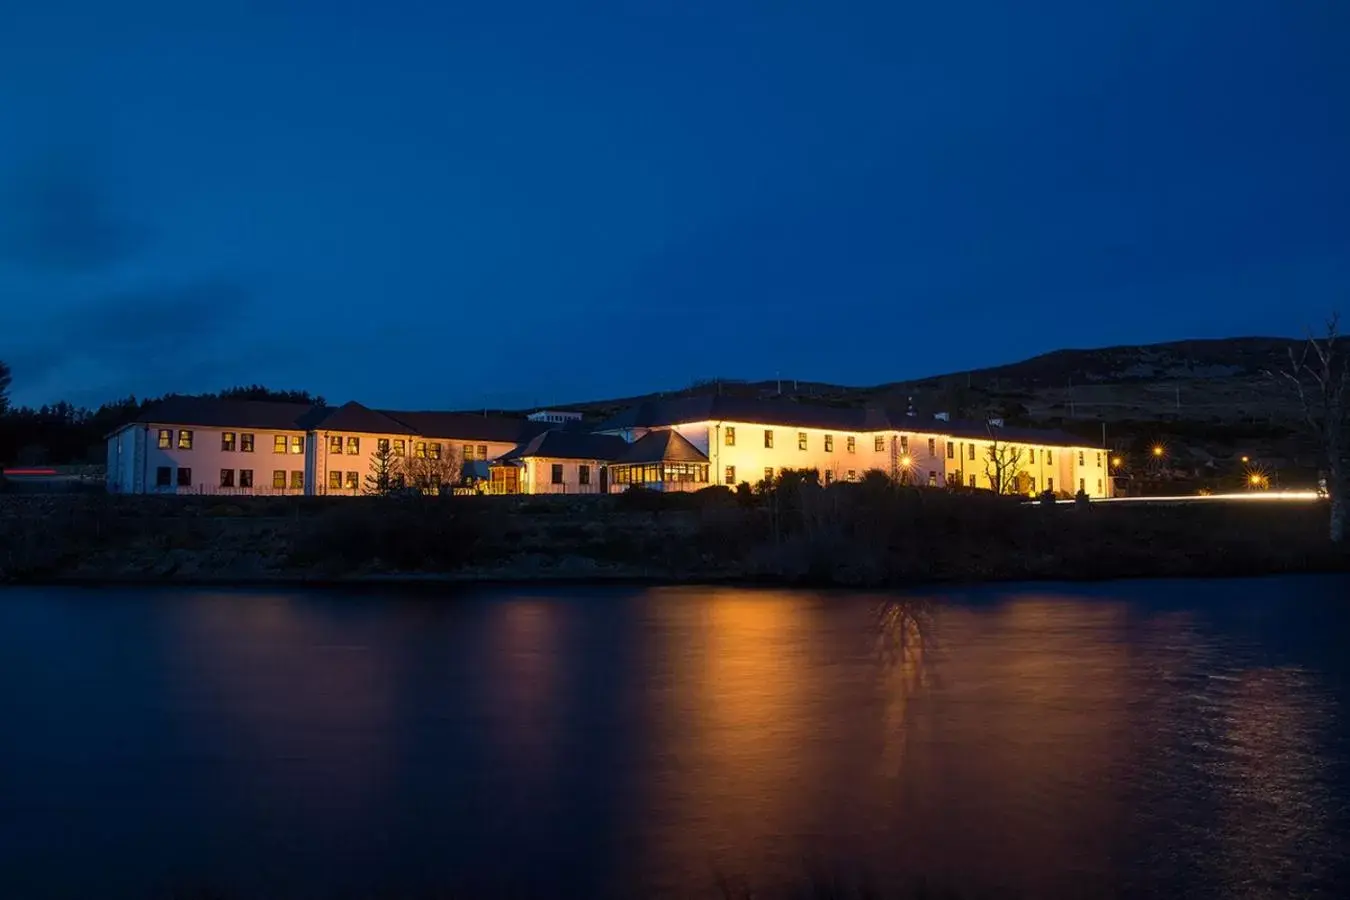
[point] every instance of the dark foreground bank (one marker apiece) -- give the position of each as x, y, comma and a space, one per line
867, 534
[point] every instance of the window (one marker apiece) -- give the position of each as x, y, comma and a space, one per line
932, 478
801, 440
434, 451
185, 478
1099, 485
163, 478
730, 436
1049, 457
768, 438
246, 443
420, 450
279, 479
583, 474
1080, 458
852, 474
165, 438
335, 443
1099, 460
851, 445
730, 475
335, 481
951, 450
353, 446
468, 451
932, 446
482, 451
297, 444
879, 443
904, 443
1031, 456
298, 480
246, 478
971, 452
829, 443
1049, 482
184, 439
279, 443
227, 478
1031, 483
353, 481
768, 474
227, 441
829, 477
400, 447
557, 473
972, 481
1082, 485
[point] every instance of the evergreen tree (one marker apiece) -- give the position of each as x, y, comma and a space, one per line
386, 471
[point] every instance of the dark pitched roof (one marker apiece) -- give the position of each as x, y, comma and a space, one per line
469, 427
213, 412
570, 445
352, 416
662, 446
711, 408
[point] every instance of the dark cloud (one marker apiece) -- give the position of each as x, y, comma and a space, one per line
56, 216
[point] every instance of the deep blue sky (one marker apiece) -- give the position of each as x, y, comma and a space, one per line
457, 204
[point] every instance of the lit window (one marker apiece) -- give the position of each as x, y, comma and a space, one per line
434, 451
163, 476
951, 450
1080, 458
904, 443
731, 436
879, 443
768, 439
420, 450
972, 481
227, 441
353, 446
400, 447
801, 440
227, 478
297, 480
584, 474
852, 474
829, 477
829, 443
335, 481
1031, 483
468, 451
279, 479
932, 446
557, 473
932, 478
768, 473
482, 451
731, 475
1099, 460
246, 444
335, 443
1049, 482
297, 444
279, 444
1099, 485
165, 439
1031, 456
1049, 457
851, 445
1082, 485
185, 478
382, 445
184, 440
971, 454
246, 478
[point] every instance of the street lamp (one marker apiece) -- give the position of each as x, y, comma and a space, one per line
1158, 451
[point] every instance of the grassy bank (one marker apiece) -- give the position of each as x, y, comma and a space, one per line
865, 534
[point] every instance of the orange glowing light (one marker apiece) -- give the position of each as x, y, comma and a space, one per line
1158, 451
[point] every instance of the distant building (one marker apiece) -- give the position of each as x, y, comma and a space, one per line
213, 446
555, 416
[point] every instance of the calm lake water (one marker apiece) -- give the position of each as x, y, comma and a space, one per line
1135, 738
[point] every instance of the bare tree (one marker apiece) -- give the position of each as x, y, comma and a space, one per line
1002, 464
435, 470
1320, 376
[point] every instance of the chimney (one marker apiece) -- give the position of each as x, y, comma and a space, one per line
942, 417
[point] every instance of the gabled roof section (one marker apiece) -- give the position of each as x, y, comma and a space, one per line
570, 445
662, 446
352, 416
468, 427
213, 412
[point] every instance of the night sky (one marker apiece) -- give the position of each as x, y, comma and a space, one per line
448, 204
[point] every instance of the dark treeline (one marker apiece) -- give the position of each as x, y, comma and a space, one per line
65, 434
